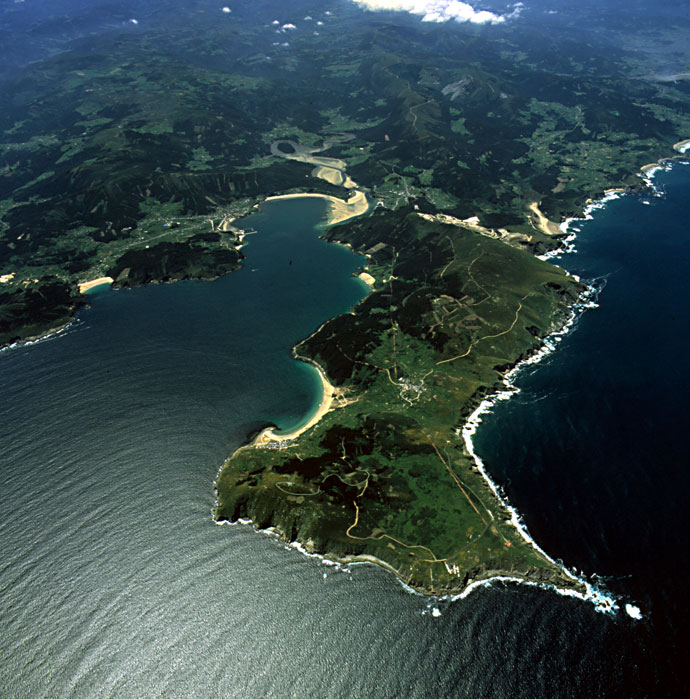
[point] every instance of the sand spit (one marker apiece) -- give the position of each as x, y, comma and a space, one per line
341, 210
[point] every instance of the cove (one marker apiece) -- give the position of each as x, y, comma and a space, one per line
246, 323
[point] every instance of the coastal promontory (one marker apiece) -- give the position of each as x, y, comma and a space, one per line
385, 474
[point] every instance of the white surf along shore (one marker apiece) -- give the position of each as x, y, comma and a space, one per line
603, 601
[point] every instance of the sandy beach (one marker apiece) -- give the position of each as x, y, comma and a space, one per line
339, 209
85, 286
329, 174
367, 279
268, 435
682, 146
650, 167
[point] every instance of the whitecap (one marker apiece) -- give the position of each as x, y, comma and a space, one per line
633, 612
603, 601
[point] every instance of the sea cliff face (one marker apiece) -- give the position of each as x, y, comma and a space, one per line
385, 474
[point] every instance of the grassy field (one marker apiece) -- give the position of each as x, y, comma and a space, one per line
138, 138
385, 473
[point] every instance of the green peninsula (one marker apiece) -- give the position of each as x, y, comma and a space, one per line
384, 474
133, 155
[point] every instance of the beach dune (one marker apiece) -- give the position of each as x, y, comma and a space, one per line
542, 223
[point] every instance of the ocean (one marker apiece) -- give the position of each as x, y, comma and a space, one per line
597, 428
115, 582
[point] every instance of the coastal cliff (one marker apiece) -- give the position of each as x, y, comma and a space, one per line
384, 475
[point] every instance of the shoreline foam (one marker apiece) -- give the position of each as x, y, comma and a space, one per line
343, 562
648, 171
602, 600
43, 337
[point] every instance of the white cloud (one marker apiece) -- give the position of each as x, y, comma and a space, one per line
441, 10
285, 27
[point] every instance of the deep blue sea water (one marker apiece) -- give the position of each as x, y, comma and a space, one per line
599, 429
114, 581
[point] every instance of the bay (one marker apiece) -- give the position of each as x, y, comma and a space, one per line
114, 581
